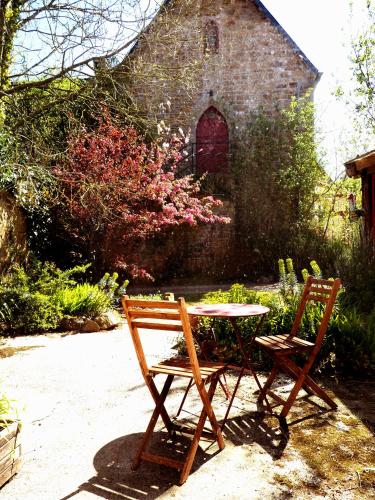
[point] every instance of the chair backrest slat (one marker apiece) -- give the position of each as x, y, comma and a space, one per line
160, 315
151, 313
317, 281
317, 298
320, 290
154, 325
317, 290
151, 304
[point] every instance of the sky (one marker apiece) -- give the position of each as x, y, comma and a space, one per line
323, 29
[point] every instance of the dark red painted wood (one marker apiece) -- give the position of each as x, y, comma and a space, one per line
212, 142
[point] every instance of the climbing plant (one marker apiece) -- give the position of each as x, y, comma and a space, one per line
276, 172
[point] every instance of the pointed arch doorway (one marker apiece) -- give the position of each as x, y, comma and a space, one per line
212, 141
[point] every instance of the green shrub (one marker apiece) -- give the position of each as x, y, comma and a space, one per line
349, 343
82, 300
30, 312
355, 342
5, 313
283, 306
357, 271
225, 338
39, 313
43, 277
27, 304
8, 411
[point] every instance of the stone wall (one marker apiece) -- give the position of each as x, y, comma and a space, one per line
256, 65
199, 254
12, 231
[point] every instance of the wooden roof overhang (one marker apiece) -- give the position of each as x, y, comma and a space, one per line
361, 165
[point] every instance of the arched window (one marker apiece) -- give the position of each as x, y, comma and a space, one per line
212, 142
211, 38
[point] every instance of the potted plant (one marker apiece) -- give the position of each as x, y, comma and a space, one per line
10, 443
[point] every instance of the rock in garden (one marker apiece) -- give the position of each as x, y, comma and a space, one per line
107, 320
90, 326
71, 323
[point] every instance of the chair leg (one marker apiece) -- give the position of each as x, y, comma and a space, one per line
224, 386
184, 397
308, 384
155, 395
198, 432
154, 418
263, 391
232, 398
206, 398
319, 392
293, 394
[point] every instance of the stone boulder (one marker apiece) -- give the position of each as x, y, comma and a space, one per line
90, 326
108, 320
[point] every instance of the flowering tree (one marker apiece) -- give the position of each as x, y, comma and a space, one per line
118, 190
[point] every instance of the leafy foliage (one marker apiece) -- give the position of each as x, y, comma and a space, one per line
32, 312
363, 60
8, 410
43, 277
357, 269
349, 344
118, 190
82, 300
277, 175
34, 298
354, 335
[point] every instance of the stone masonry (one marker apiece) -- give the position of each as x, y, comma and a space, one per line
256, 64
250, 62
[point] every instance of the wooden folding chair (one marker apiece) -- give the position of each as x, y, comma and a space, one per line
172, 316
282, 347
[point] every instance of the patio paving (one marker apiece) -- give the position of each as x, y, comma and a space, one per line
85, 408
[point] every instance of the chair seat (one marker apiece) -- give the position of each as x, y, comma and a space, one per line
181, 367
281, 343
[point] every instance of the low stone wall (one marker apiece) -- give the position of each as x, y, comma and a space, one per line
200, 254
12, 231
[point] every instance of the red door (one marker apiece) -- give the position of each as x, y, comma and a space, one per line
212, 142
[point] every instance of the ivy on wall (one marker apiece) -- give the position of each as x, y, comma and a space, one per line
276, 172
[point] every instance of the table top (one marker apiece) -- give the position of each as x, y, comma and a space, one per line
228, 310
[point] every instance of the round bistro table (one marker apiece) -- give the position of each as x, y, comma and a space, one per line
233, 312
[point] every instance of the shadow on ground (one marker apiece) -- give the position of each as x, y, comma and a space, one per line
359, 397
260, 429
115, 479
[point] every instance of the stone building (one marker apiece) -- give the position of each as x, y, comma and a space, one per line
244, 60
